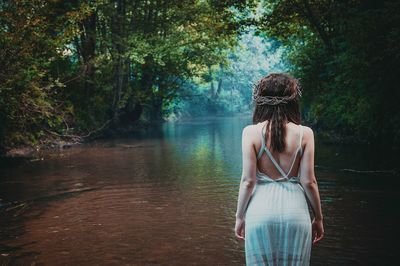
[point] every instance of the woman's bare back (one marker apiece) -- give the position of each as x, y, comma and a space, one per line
283, 159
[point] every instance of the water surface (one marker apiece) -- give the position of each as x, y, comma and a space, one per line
167, 195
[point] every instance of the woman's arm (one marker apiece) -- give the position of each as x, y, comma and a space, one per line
248, 180
309, 183
307, 175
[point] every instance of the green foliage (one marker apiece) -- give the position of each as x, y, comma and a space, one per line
345, 55
28, 93
254, 56
68, 67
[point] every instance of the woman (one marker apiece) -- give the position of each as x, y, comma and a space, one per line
278, 185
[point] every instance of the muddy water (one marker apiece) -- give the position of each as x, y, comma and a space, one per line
167, 196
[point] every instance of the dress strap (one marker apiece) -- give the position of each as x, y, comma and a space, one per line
262, 144
299, 148
263, 147
275, 163
300, 140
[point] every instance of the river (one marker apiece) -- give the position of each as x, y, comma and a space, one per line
167, 195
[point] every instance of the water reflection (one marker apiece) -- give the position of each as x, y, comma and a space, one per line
167, 196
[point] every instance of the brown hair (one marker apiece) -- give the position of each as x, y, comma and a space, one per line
281, 85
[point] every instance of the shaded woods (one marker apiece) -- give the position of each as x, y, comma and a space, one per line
71, 69
347, 55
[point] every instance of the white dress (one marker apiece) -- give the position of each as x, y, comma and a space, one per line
277, 218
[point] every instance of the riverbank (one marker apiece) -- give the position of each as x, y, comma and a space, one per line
54, 142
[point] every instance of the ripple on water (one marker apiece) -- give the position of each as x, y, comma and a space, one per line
169, 199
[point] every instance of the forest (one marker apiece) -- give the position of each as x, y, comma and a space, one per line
72, 70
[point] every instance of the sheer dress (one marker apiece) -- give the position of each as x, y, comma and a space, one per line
277, 218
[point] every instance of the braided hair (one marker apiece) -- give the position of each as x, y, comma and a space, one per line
277, 100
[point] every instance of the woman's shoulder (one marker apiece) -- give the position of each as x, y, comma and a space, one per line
251, 131
308, 135
307, 131
254, 128
251, 128
248, 129
295, 127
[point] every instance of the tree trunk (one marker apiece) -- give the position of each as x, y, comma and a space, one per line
86, 47
309, 15
120, 69
156, 114
219, 87
212, 89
